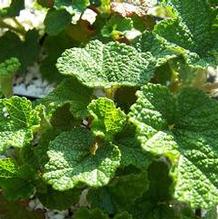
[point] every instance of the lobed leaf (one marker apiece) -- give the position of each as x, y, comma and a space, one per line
72, 92
14, 180
107, 119
17, 121
182, 127
71, 162
193, 30
106, 65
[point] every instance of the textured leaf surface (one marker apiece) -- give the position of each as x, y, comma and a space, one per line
71, 162
193, 30
154, 203
14, 180
157, 46
72, 92
105, 65
9, 67
184, 128
107, 119
17, 121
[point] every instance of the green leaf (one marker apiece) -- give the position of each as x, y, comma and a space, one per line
7, 70
130, 148
160, 182
54, 46
13, 10
103, 5
56, 21
54, 199
15, 181
71, 92
125, 101
193, 31
63, 120
106, 65
70, 6
182, 127
102, 199
25, 51
14, 210
114, 197
116, 27
9, 67
123, 215
71, 162
40, 152
85, 213
17, 121
107, 119
212, 214
162, 50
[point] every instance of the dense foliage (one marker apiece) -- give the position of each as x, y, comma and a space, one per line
132, 122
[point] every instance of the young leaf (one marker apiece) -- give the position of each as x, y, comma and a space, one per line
106, 65
17, 122
56, 21
72, 92
182, 127
194, 31
107, 119
117, 27
71, 161
14, 180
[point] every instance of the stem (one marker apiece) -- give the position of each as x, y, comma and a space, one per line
110, 92
19, 25
10, 27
